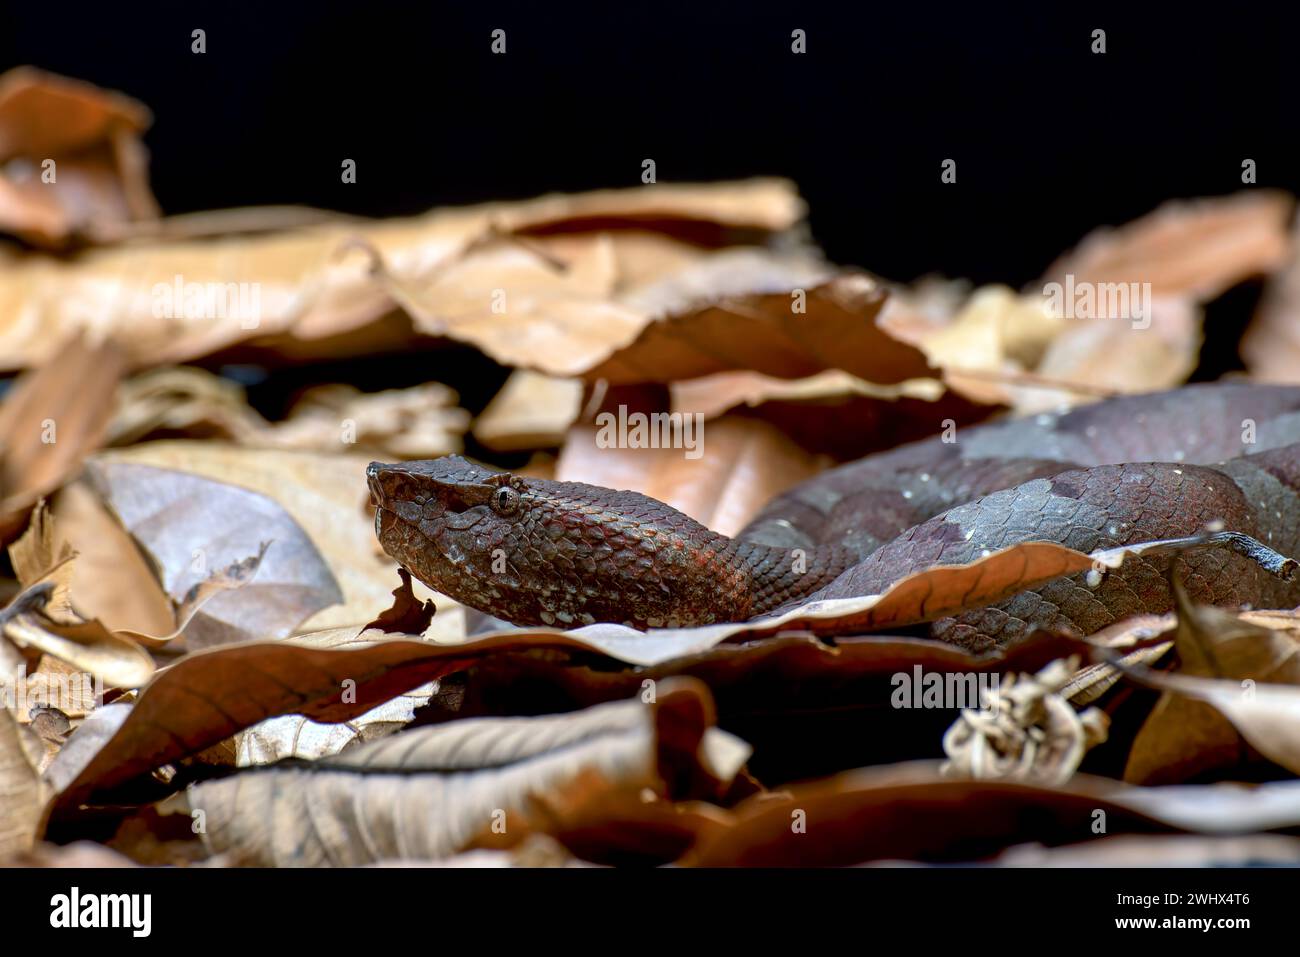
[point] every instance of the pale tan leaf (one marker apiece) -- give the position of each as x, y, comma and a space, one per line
41, 619
326, 495
22, 794
191, 525
303, 291
1270, 345
531, 411
1236, 677
1193, 248
292, 736
86, 742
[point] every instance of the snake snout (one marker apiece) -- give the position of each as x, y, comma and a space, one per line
373, 472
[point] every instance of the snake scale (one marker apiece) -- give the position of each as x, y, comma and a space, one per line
1118, 472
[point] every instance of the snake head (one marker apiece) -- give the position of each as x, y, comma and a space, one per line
458, 528
442, 488
533, 551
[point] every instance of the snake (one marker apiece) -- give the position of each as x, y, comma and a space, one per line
1125, 470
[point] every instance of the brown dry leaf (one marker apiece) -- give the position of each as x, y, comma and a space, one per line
407, 615
532, 411
808, 707
1270, 345
908, 812
998, 346
37, 621
1191, 248
563, 309
47, 426
305, 290
1266, 715
236, 575
22, 793
1119, 355
762, 330
613, 826
1236, 680
1138, 638
993, 331
191, 526
42, 618
326, 495
207, 696
85, 742
714, 395
183, 400
748, 463
57, 685
420, 422
99, 181
832, 412
427, 792
112, 579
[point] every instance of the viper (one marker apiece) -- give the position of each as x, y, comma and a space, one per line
1118, 472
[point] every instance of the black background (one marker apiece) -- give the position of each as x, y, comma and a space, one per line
1050, 139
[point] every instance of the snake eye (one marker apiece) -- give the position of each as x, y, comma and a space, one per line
505, 500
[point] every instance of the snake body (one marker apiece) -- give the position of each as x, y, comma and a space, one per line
1126, 470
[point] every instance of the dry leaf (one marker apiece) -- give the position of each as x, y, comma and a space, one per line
1119, 355
418, 422
1235, 677
1271, 343
98, 181
326, 495
1191, 248
531, 411
208, 696
427, 792
86, 742
291, 736
47, 426
768, 329
736, 466
112, 579
831, 412
304, 292
809, 708
191, 526
408, 615
38, 622
331, 676
22, 794
42, 618
422, 422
